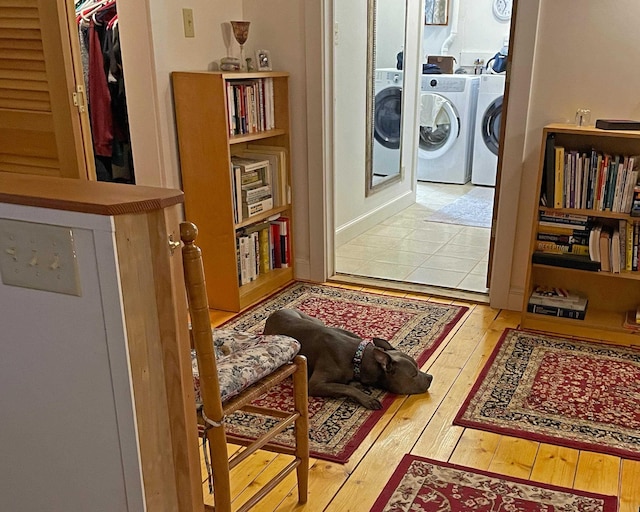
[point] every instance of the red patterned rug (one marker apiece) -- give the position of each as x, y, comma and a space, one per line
338, 426
564, 391
423, 485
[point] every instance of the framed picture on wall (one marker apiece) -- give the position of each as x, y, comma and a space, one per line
436, 12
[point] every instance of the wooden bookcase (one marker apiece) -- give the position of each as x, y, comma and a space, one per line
206, 147
610, 295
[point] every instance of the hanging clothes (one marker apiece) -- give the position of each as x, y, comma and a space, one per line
104, 80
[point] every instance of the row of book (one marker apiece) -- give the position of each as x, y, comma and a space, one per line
557, 302
589, 180
262, 247
578, 241
250, 106
258, 180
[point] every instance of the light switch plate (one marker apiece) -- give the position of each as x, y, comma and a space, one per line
187, 20
38, 256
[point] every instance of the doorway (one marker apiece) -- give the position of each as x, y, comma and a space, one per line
443, 239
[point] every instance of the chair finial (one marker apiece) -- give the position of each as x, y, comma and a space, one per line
188, 232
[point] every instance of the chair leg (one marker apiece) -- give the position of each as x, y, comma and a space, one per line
301, 402
220, 468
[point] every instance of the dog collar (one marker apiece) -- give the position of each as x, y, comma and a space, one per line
357, 358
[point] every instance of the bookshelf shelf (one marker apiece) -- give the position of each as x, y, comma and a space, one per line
610, 294
249, 137
212, 110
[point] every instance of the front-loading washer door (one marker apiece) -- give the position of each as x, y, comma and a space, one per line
387, 117
439, 125
491, 125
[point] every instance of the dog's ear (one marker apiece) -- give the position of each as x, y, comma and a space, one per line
383, 344
383, 359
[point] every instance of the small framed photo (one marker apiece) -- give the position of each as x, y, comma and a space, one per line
263, 60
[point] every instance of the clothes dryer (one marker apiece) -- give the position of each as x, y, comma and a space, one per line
484, 165
387, 119
446, 119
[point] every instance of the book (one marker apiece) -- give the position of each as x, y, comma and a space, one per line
548, 175
558, 194
276, 248
580, 305
557, 311
560, 248
276, 173
565, 260
281, 175
553, 296
252, 209
617, 124
605, 250
285, 247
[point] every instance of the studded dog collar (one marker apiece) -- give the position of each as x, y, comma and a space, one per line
357, 358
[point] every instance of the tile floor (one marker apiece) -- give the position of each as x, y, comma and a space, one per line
408, 247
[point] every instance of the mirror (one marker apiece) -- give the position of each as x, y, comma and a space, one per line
436, 12
386, 20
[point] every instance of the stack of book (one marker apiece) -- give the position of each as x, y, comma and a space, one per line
563, 240
557, 302
252, 190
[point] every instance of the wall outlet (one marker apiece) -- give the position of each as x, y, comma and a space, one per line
38, 256
187, 20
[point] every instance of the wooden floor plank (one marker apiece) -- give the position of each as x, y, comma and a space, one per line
514, 457
476, 449
598, 473
555, 465
630, 486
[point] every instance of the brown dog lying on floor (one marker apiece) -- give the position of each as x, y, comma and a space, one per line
338, 360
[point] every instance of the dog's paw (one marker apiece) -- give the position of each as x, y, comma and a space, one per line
371, 403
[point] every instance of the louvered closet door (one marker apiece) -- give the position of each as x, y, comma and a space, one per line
41, 130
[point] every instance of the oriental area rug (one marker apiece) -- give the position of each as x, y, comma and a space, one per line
564, 391
338, 426
423, 485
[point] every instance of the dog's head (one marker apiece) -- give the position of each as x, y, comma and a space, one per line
400, 372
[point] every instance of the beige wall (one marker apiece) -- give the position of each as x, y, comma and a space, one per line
584, 58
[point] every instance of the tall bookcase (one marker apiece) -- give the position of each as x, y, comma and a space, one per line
203, 119
610, 294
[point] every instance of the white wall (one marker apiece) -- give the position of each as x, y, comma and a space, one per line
153, 45
570, 46
477, 30
354, 213
69, 439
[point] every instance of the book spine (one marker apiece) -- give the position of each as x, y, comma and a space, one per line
559, 248
556, 311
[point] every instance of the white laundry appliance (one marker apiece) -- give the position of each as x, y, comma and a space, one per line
387, 121
484, 165
446, 120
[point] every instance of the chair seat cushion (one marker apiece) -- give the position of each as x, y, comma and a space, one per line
251, 357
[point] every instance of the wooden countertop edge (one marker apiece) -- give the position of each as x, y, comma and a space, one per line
100, 198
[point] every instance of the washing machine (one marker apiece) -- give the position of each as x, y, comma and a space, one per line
446, 120
484, 165
387, 121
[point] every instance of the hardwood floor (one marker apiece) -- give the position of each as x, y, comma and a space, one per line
422, 425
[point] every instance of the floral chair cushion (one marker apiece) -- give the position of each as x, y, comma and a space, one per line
249, 358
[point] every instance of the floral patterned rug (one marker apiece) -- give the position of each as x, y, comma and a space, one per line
564, 391
338, 426
423, 485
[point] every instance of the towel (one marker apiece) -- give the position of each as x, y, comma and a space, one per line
431, 106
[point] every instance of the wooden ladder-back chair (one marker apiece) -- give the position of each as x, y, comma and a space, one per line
221, 394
